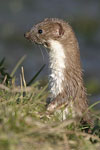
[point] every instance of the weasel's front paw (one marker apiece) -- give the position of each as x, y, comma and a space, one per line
52, 106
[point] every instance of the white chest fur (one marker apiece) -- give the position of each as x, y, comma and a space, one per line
57, 65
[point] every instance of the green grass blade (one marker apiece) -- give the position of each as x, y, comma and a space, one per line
35, 76
2, 61
17, 65
91, 106
94, 104
40, 93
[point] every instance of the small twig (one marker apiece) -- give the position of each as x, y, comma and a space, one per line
23, 76
4, 80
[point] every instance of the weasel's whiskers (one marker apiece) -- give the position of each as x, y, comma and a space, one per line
46, 50
41, 52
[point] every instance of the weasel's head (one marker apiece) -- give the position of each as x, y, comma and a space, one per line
49, 29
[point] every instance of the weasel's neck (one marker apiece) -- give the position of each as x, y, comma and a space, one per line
57, 66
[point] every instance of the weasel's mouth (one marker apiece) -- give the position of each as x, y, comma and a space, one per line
32, 39
36, 39
46, 44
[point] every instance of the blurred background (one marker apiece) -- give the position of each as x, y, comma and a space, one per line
18, 16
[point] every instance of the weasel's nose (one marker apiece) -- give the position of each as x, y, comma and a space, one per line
27, 35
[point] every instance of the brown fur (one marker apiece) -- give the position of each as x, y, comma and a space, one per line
74, 90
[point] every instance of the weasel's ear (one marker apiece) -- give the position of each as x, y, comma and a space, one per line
59, 30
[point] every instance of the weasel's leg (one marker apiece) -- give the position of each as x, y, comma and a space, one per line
59, 101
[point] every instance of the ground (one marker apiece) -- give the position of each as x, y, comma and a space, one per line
26, 125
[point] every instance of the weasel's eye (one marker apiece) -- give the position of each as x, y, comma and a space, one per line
40, 31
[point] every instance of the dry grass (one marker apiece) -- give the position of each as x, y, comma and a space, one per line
25, 125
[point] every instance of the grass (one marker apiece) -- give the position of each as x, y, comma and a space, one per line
25, 124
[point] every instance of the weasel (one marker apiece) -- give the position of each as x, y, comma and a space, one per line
65, 79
